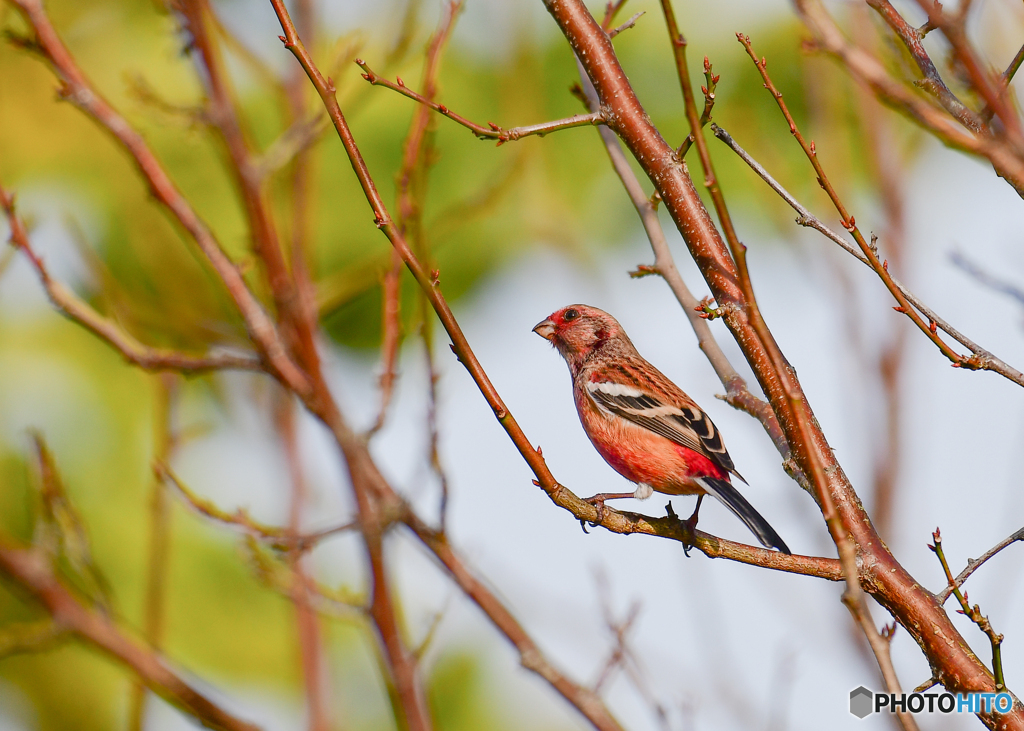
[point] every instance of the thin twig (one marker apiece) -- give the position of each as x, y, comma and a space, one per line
828, 36
710, 82
983, 357
932, 81
972, 613
987, 113
994, 283
33, 572
610, 11
881, 268
79, 311
627, 25
278, 538
154, 611
76, 88
491, 131
973, 564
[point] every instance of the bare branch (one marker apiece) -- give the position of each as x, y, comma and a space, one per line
972, 613
737, 394
932, 81
30, 570
975, 564
77, 89
491, 131
985, 359
77, 310
1005, 159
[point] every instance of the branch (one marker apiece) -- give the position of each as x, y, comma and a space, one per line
984, 359
77, 310
1005, 159
710, 81
280, 539
29, 569
972, 613
990, 281
932, 81
794, 407
987, 113
296, 324
975, 564
76, 88
492, 131
737, 394
881, 268
890, 583
989, 88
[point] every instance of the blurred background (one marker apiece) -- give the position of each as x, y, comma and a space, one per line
516, 231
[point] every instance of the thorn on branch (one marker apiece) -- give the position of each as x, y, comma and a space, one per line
435, 277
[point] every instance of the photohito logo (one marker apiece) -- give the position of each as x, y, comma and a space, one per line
864, 702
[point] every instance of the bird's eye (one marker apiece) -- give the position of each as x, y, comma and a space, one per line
570, 315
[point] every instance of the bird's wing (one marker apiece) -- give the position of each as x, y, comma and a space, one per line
685, 425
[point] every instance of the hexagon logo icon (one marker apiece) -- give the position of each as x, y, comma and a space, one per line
861, 702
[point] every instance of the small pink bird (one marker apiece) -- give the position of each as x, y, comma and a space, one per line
644, 426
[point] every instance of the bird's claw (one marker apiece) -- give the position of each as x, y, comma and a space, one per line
689, 527
598, 502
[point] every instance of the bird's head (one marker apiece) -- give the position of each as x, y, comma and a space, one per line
577, 330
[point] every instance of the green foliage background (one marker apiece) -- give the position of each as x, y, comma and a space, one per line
487, 205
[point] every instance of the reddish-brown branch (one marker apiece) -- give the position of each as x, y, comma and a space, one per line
989, 87
492, 131
737, 394
975, 564
1006, 160
932, 81
311, 655
986, 360
391, 326
881, 268
77, 310
794, 409
31, 571
914, 607
295, 324
159, 543
76, 88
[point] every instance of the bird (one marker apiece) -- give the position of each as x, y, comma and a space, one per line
643, 425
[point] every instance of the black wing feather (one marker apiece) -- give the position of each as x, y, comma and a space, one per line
688, 427
731, 498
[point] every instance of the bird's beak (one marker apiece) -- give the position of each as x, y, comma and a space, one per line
545, 329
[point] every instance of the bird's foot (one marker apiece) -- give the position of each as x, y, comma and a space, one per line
598, 502
689, 525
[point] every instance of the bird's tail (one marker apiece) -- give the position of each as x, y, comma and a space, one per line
731, 498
